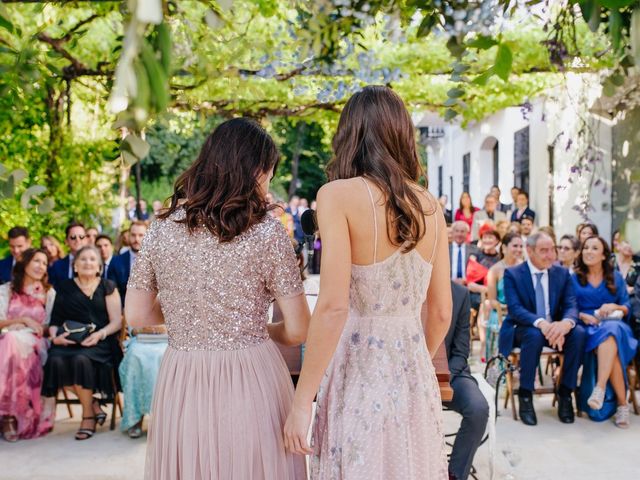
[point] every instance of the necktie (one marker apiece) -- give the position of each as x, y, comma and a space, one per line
541, 310
459, 273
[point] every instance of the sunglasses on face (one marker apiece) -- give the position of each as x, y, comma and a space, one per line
76, 237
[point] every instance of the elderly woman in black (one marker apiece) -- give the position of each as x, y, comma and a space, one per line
91, 303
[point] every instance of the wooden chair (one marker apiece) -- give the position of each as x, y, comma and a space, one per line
633, 374
514, 359
116, 402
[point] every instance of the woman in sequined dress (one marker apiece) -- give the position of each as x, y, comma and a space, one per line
385, 262
209, 268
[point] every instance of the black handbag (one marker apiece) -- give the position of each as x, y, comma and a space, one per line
78, 331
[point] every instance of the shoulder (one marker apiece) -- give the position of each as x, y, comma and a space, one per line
618, 278
6, 261
517, 270
338, 190
108, 286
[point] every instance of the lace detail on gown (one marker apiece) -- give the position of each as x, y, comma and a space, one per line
379, 413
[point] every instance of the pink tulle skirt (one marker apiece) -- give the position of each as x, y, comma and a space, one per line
220, 415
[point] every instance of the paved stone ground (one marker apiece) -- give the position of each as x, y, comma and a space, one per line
551, 450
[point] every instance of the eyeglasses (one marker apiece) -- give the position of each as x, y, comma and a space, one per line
76, 237
563, 248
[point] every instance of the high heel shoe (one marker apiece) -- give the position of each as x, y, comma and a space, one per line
86, 433
101, 416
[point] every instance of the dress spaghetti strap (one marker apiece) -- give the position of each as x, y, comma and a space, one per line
435, 240
375, 222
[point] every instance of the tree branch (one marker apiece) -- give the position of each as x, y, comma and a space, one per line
77, 27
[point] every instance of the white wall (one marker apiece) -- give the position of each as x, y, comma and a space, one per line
555, 116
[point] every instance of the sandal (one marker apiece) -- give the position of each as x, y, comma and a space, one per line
86, 433
10, 429
101, 417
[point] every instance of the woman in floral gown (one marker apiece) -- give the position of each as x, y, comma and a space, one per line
384, 265
25, 309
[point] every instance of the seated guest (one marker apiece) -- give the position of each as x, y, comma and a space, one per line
522, 208
25, 308
490, 214
603, 302
19, 241
503, 207
486, 257
467, 400
542, 312
105, 246
586, 230
51, 245
465, 212
511, 253
568, 251
120, 267
502, 227
86, 366
526, 227
76, 238
92, 235
144, 351
627, 264
460, 251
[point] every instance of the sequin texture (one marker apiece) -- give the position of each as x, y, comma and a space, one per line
215, 296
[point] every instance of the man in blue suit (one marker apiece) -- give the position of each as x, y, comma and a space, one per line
542, 312
61, 270
19, 241
120, 266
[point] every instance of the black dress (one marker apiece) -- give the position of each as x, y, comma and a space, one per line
89, 367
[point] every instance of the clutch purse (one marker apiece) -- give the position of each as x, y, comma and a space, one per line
78, 331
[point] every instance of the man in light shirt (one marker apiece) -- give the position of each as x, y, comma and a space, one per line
542, 312
459, 252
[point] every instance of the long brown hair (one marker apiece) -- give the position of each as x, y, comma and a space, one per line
581, 269
17, 284
375, 139
220, 189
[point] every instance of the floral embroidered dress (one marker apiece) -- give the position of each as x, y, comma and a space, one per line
379, 413
22, 355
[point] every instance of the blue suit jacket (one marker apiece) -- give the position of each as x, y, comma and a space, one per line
6, 268
59, 272
527, 211
119, 270
521, 301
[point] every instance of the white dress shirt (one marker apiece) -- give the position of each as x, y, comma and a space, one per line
454, 260
545, 287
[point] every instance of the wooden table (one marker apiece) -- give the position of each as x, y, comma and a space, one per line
441, 365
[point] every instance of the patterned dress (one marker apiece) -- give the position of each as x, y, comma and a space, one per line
379, 413
22, 355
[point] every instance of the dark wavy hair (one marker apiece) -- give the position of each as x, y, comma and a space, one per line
220, 189
17, 284
581, 269
375, 139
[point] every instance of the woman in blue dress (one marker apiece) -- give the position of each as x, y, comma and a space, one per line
603, 303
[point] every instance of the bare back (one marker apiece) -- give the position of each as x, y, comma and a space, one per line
362, 224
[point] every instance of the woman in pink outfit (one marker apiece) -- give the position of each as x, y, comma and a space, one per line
209, 268
384, 262
25, 309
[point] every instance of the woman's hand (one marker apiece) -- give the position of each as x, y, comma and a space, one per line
607, 309
589, 319
92, 339
33, 325
296, 429
62, 341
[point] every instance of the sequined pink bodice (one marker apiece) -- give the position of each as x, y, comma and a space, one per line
215, 296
